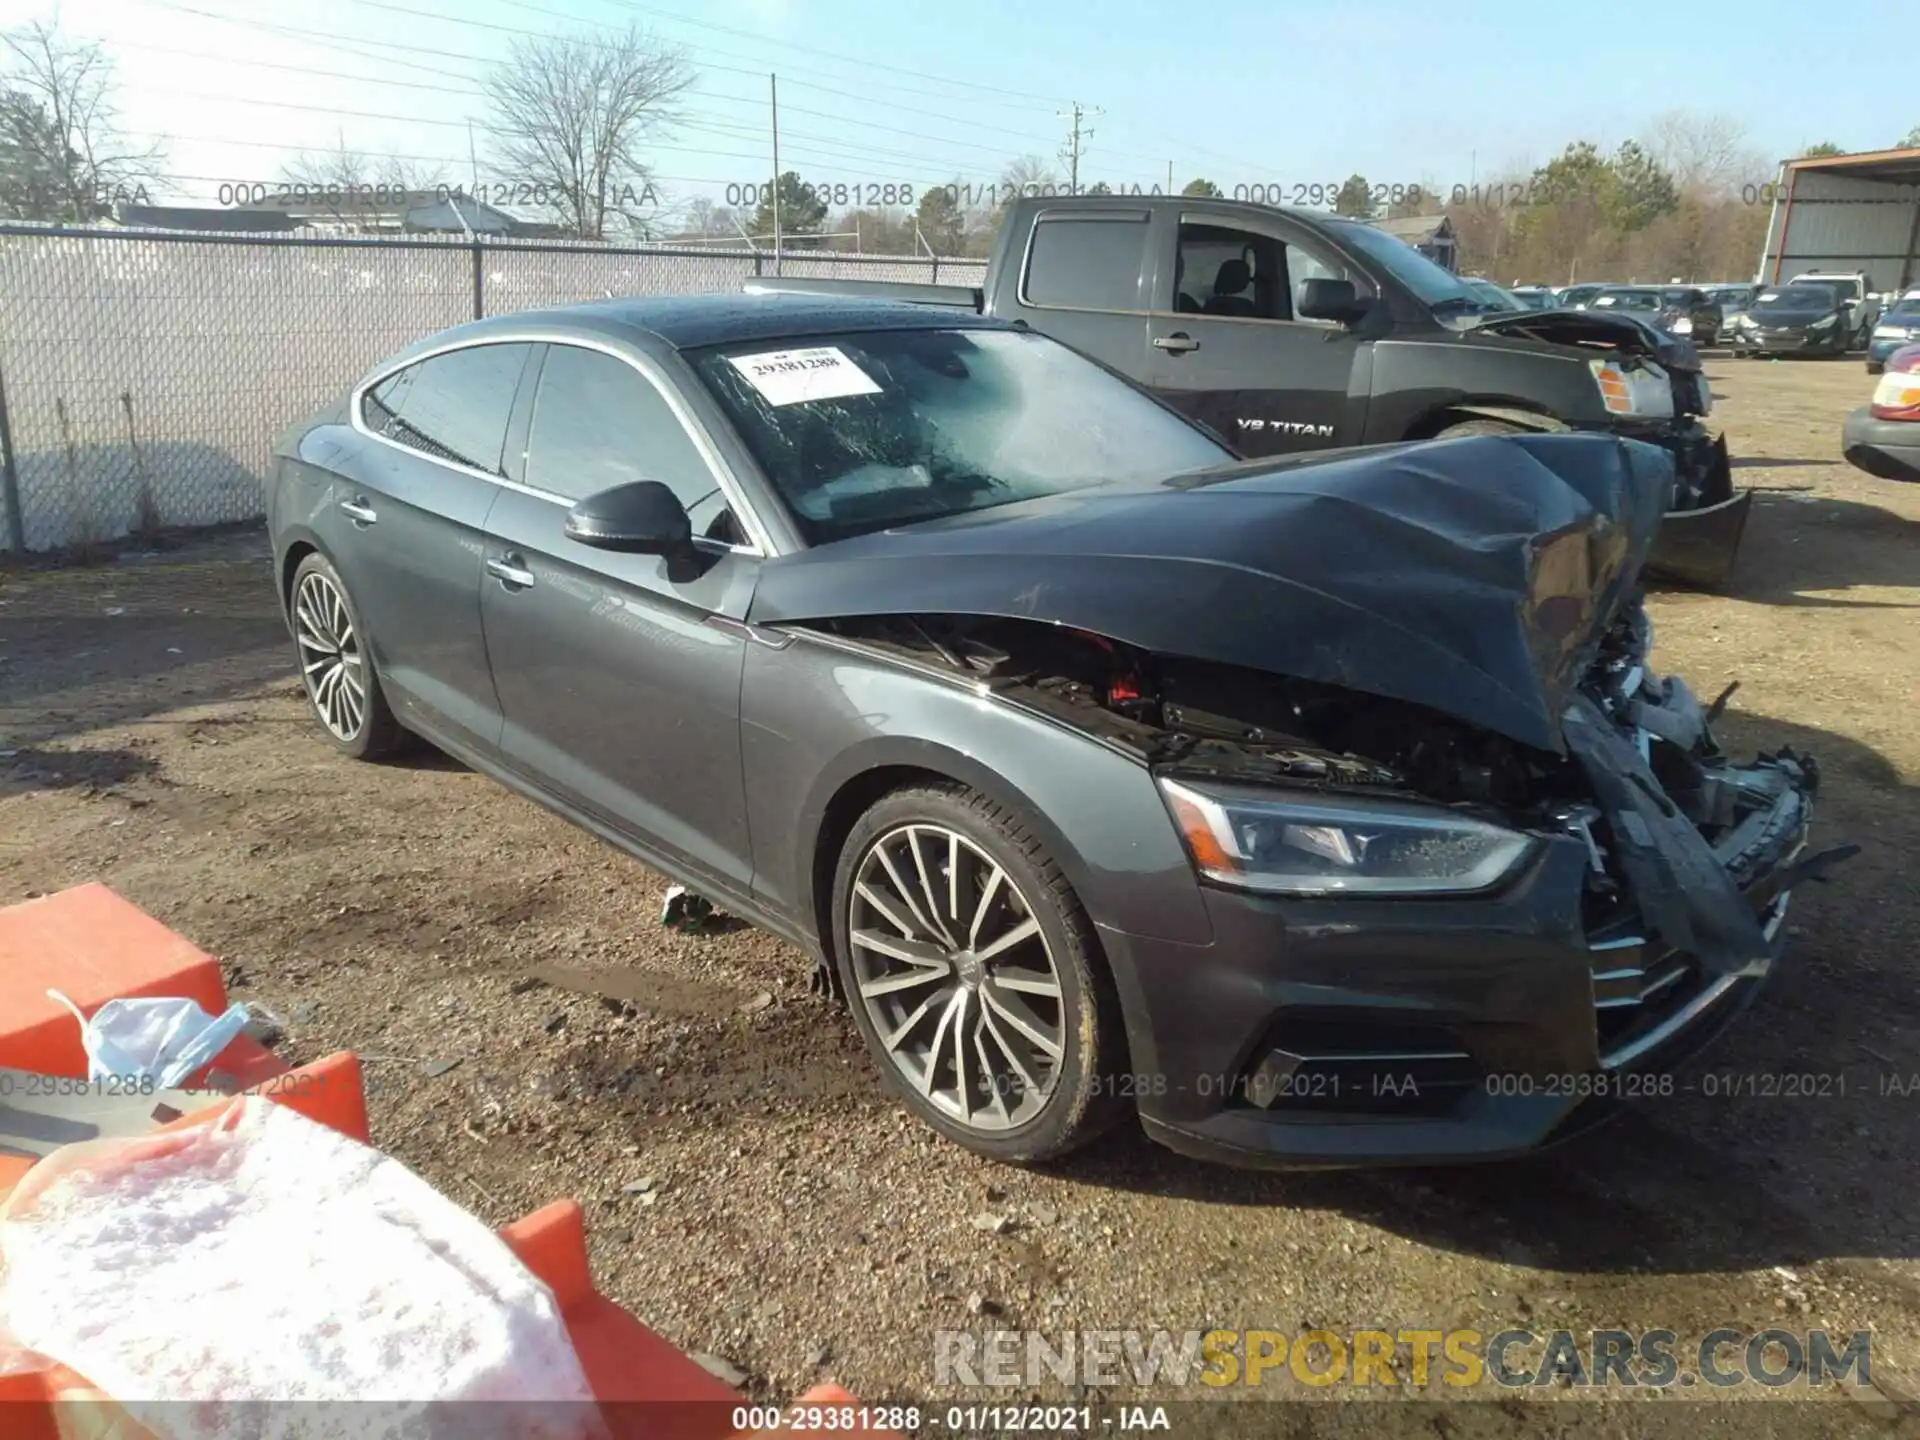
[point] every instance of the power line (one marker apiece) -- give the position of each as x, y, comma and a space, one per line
1031, 100
334, 40
346, 45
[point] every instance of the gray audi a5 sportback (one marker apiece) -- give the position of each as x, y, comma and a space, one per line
1317, 811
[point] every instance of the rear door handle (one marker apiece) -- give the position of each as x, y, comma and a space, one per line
511, 569
1179, 342
358, 510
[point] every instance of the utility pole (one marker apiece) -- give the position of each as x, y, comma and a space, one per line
1169, 177
1077, 139
773, 89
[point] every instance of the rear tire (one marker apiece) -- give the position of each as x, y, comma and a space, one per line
336, 664
986, 1003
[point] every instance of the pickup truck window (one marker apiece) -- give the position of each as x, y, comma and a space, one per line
1080, 263
1226, 271
959, 420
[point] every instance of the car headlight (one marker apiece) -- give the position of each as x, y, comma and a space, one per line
1644, 390
1260, 839
1826, 324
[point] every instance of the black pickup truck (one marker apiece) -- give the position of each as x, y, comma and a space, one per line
1289, 330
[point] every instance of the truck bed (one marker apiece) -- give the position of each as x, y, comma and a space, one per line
957, 297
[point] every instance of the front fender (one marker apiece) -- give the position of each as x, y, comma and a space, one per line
817, 715
1414, 380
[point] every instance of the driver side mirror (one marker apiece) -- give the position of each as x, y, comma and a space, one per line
640, 518
1335, 300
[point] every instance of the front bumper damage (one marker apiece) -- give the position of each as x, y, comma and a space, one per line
1705, 519
1342, 1032
1701, 531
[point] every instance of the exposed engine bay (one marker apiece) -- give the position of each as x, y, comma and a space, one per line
1667, 817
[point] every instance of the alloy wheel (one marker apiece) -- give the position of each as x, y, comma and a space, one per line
331, 663
957, 977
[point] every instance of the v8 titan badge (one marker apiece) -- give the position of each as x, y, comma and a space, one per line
789, 377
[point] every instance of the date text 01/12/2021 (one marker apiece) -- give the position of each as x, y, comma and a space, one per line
1264, 1088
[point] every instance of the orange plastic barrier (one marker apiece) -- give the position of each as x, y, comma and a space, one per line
93, 946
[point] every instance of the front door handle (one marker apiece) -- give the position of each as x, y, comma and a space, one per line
358, 510
1179, 342
511, 570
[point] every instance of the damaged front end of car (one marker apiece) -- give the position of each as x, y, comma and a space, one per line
1661, 861
1451, 832
1701, 532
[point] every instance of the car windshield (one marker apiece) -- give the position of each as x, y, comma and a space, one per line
1679, 298
1628, 300
1799, 297
1906, 309
872, 429
1430, 282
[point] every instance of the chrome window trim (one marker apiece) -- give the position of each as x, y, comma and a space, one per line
760, 544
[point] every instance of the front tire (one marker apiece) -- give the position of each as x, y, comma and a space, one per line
336, 664
975, 976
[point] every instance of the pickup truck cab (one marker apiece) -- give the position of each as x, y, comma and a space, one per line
1863, 305
1288, 330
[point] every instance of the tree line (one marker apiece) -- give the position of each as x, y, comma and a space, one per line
572, 118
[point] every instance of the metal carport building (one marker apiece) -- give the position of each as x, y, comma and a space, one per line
1842, 213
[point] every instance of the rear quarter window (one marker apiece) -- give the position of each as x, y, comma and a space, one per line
452, 406
1084, 263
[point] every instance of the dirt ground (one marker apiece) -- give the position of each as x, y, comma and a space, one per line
799, 1224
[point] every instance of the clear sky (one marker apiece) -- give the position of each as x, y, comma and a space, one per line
1286, 91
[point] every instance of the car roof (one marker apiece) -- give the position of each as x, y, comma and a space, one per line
687, 322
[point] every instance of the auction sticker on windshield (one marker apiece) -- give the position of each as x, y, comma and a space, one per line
788, 377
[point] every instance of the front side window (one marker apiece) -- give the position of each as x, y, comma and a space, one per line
452, 406
1250, 275
598, 423
860, 432
1085, 263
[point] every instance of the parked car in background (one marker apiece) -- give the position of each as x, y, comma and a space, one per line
1576, 297
1292, 330
1733, 301
1536, 297
1807, 317
1883, 436
1897, 326
1690, 311
1678, 310
1284, 804
1863, 304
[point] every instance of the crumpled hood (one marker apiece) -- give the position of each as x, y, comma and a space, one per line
1474, 576
1597, 328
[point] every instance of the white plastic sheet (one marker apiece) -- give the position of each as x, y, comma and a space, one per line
193, 1275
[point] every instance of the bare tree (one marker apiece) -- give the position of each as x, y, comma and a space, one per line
1707, 155
573, 114
62, 151
346, 184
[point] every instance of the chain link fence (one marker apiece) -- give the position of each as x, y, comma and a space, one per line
145, 376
